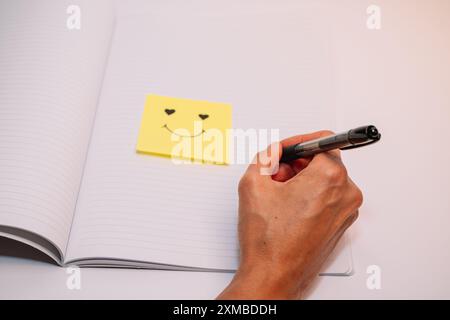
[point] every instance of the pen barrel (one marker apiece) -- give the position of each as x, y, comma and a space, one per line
311, 148
351, 139
334, 142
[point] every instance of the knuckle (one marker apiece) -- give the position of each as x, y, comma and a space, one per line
356, 195
335, 172
359, 197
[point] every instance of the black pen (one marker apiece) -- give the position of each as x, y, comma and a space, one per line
355, 138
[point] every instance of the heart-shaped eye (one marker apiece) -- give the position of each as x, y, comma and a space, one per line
203, 116
169, 111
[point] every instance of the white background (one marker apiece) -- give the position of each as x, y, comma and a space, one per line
397, 78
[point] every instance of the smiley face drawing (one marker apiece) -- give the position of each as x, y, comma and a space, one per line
184, 128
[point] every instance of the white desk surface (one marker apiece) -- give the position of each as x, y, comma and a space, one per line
397, 78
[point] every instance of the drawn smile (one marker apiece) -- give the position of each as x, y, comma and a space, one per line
180, 135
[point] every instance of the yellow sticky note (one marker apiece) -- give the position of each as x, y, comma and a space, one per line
185, 129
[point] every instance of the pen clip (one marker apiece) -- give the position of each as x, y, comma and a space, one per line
363, 144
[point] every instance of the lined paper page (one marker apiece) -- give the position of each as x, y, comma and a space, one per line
272, 66
50, 79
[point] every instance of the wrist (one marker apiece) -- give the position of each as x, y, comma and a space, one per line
261, 282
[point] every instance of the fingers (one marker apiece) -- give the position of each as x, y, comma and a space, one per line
285, 172
266, 162
289, 170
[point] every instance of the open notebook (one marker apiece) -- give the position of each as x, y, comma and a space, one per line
71, 101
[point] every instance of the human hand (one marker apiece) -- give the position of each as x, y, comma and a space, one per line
290, 222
